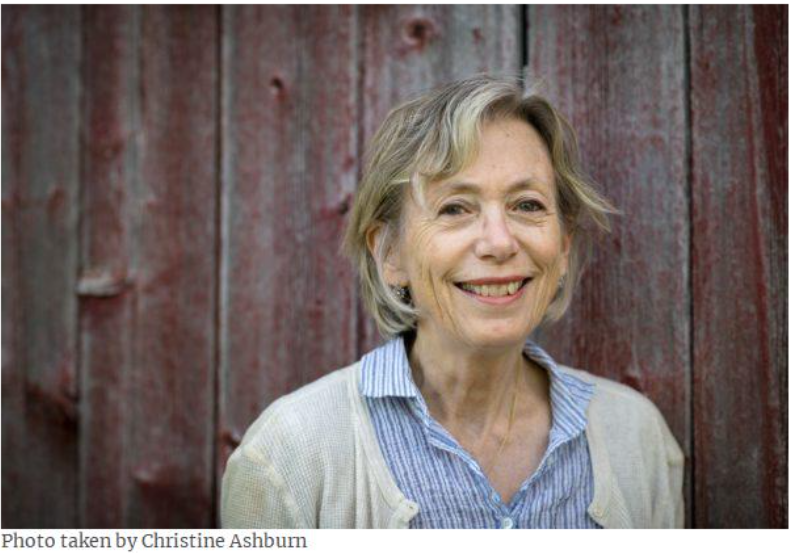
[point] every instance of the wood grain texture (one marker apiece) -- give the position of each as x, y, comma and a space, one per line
739, 193
41, 58
175, 181
618, 75
110, 120
168, 445
412, 49
289, 162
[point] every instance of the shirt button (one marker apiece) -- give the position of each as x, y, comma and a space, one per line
507, 523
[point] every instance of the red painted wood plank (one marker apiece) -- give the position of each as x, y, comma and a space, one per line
739, 194
110, 124
41, 56
618, 75
412, 49
289, 135
168, 446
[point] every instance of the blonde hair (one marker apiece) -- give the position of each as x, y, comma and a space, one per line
433, 137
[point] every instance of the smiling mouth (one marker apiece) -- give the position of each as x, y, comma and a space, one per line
494, 290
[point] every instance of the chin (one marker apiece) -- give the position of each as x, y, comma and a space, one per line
493, 338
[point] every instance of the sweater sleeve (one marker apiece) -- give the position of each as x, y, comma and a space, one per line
675, 460
254, 495
631, 436
667, 474
677, 490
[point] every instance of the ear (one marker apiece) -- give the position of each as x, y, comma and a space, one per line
392, 265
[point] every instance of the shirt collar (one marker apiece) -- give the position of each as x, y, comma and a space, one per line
386, 373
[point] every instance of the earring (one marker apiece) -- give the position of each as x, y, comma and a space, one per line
403, 293
561, 283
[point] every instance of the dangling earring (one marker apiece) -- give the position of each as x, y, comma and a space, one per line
561, 283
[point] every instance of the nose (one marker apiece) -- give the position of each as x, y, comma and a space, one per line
496, 239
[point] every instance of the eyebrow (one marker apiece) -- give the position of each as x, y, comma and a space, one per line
470, 187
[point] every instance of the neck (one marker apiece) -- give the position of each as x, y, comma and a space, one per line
472, 387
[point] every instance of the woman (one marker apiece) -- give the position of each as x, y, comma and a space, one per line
467, 232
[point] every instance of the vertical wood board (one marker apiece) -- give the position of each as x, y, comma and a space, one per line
739, 193
289, 169
110, 123
169, 447
41, 59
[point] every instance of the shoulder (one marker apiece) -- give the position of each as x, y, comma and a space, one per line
627, 417
311, 414
614, 398
638, 464
294, 450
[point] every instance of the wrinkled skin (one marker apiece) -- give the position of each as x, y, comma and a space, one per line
493, 228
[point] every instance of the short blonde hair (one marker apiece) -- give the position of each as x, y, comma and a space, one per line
433, 137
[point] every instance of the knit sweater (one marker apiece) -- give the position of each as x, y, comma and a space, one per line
312, 460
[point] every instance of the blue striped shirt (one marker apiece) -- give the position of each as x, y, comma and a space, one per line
434, 471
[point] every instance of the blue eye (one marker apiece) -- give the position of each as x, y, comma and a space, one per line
529, 206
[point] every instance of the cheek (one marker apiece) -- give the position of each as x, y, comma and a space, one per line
546, 252
427, 269
546, 249
420, 238
420, 244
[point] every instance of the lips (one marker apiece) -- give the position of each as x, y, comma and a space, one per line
494, 287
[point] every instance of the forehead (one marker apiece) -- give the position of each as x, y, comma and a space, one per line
511, 154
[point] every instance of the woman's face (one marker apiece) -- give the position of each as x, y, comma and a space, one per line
484, 254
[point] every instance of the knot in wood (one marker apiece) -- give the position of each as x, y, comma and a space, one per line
231, 438
420, 31
102, 283
276, 86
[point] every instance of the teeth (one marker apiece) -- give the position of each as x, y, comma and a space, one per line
493, 290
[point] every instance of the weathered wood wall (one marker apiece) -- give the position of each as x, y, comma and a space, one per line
175, 182
619, 75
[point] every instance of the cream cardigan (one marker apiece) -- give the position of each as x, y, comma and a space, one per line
312, 460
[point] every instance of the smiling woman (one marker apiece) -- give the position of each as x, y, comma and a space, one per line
484, 251
467, 231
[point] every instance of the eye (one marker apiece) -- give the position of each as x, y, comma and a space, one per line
529, 206
452, 209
